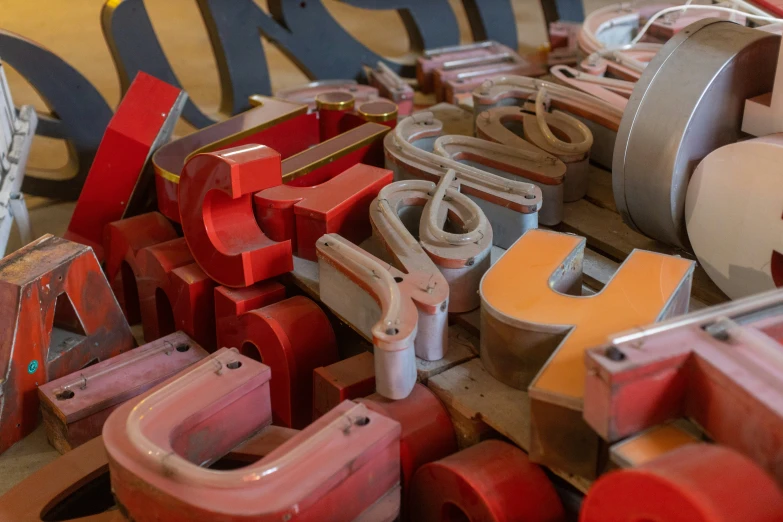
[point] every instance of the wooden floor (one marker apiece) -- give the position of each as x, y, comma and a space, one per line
72, 30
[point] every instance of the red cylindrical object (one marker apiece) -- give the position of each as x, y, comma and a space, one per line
332, 106
694, 483
293, 337
427, 434
491, 481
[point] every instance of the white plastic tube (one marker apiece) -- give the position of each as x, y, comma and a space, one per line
565, 94
181, 470
380, 278
466, 172
559, 145
430, 215
662, 12
137, 356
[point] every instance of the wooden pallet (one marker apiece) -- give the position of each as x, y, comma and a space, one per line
611, 241
482, 407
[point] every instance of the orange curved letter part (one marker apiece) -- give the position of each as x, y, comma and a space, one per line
534, 334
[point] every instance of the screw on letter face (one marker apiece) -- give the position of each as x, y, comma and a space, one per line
75, 407
60, 314
216, 208
534, 334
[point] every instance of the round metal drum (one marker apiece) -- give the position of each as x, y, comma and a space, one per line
688, 102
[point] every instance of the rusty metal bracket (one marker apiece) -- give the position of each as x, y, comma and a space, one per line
59, 315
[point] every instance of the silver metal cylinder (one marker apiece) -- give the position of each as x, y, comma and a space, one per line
688, 102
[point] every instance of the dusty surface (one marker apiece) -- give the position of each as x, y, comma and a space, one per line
72, 30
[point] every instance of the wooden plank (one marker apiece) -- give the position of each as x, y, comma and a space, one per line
600, 192
595, 217
463, 346
608, 235
482, 407
474, 394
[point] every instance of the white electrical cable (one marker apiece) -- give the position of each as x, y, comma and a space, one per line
748, 10
663, 12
